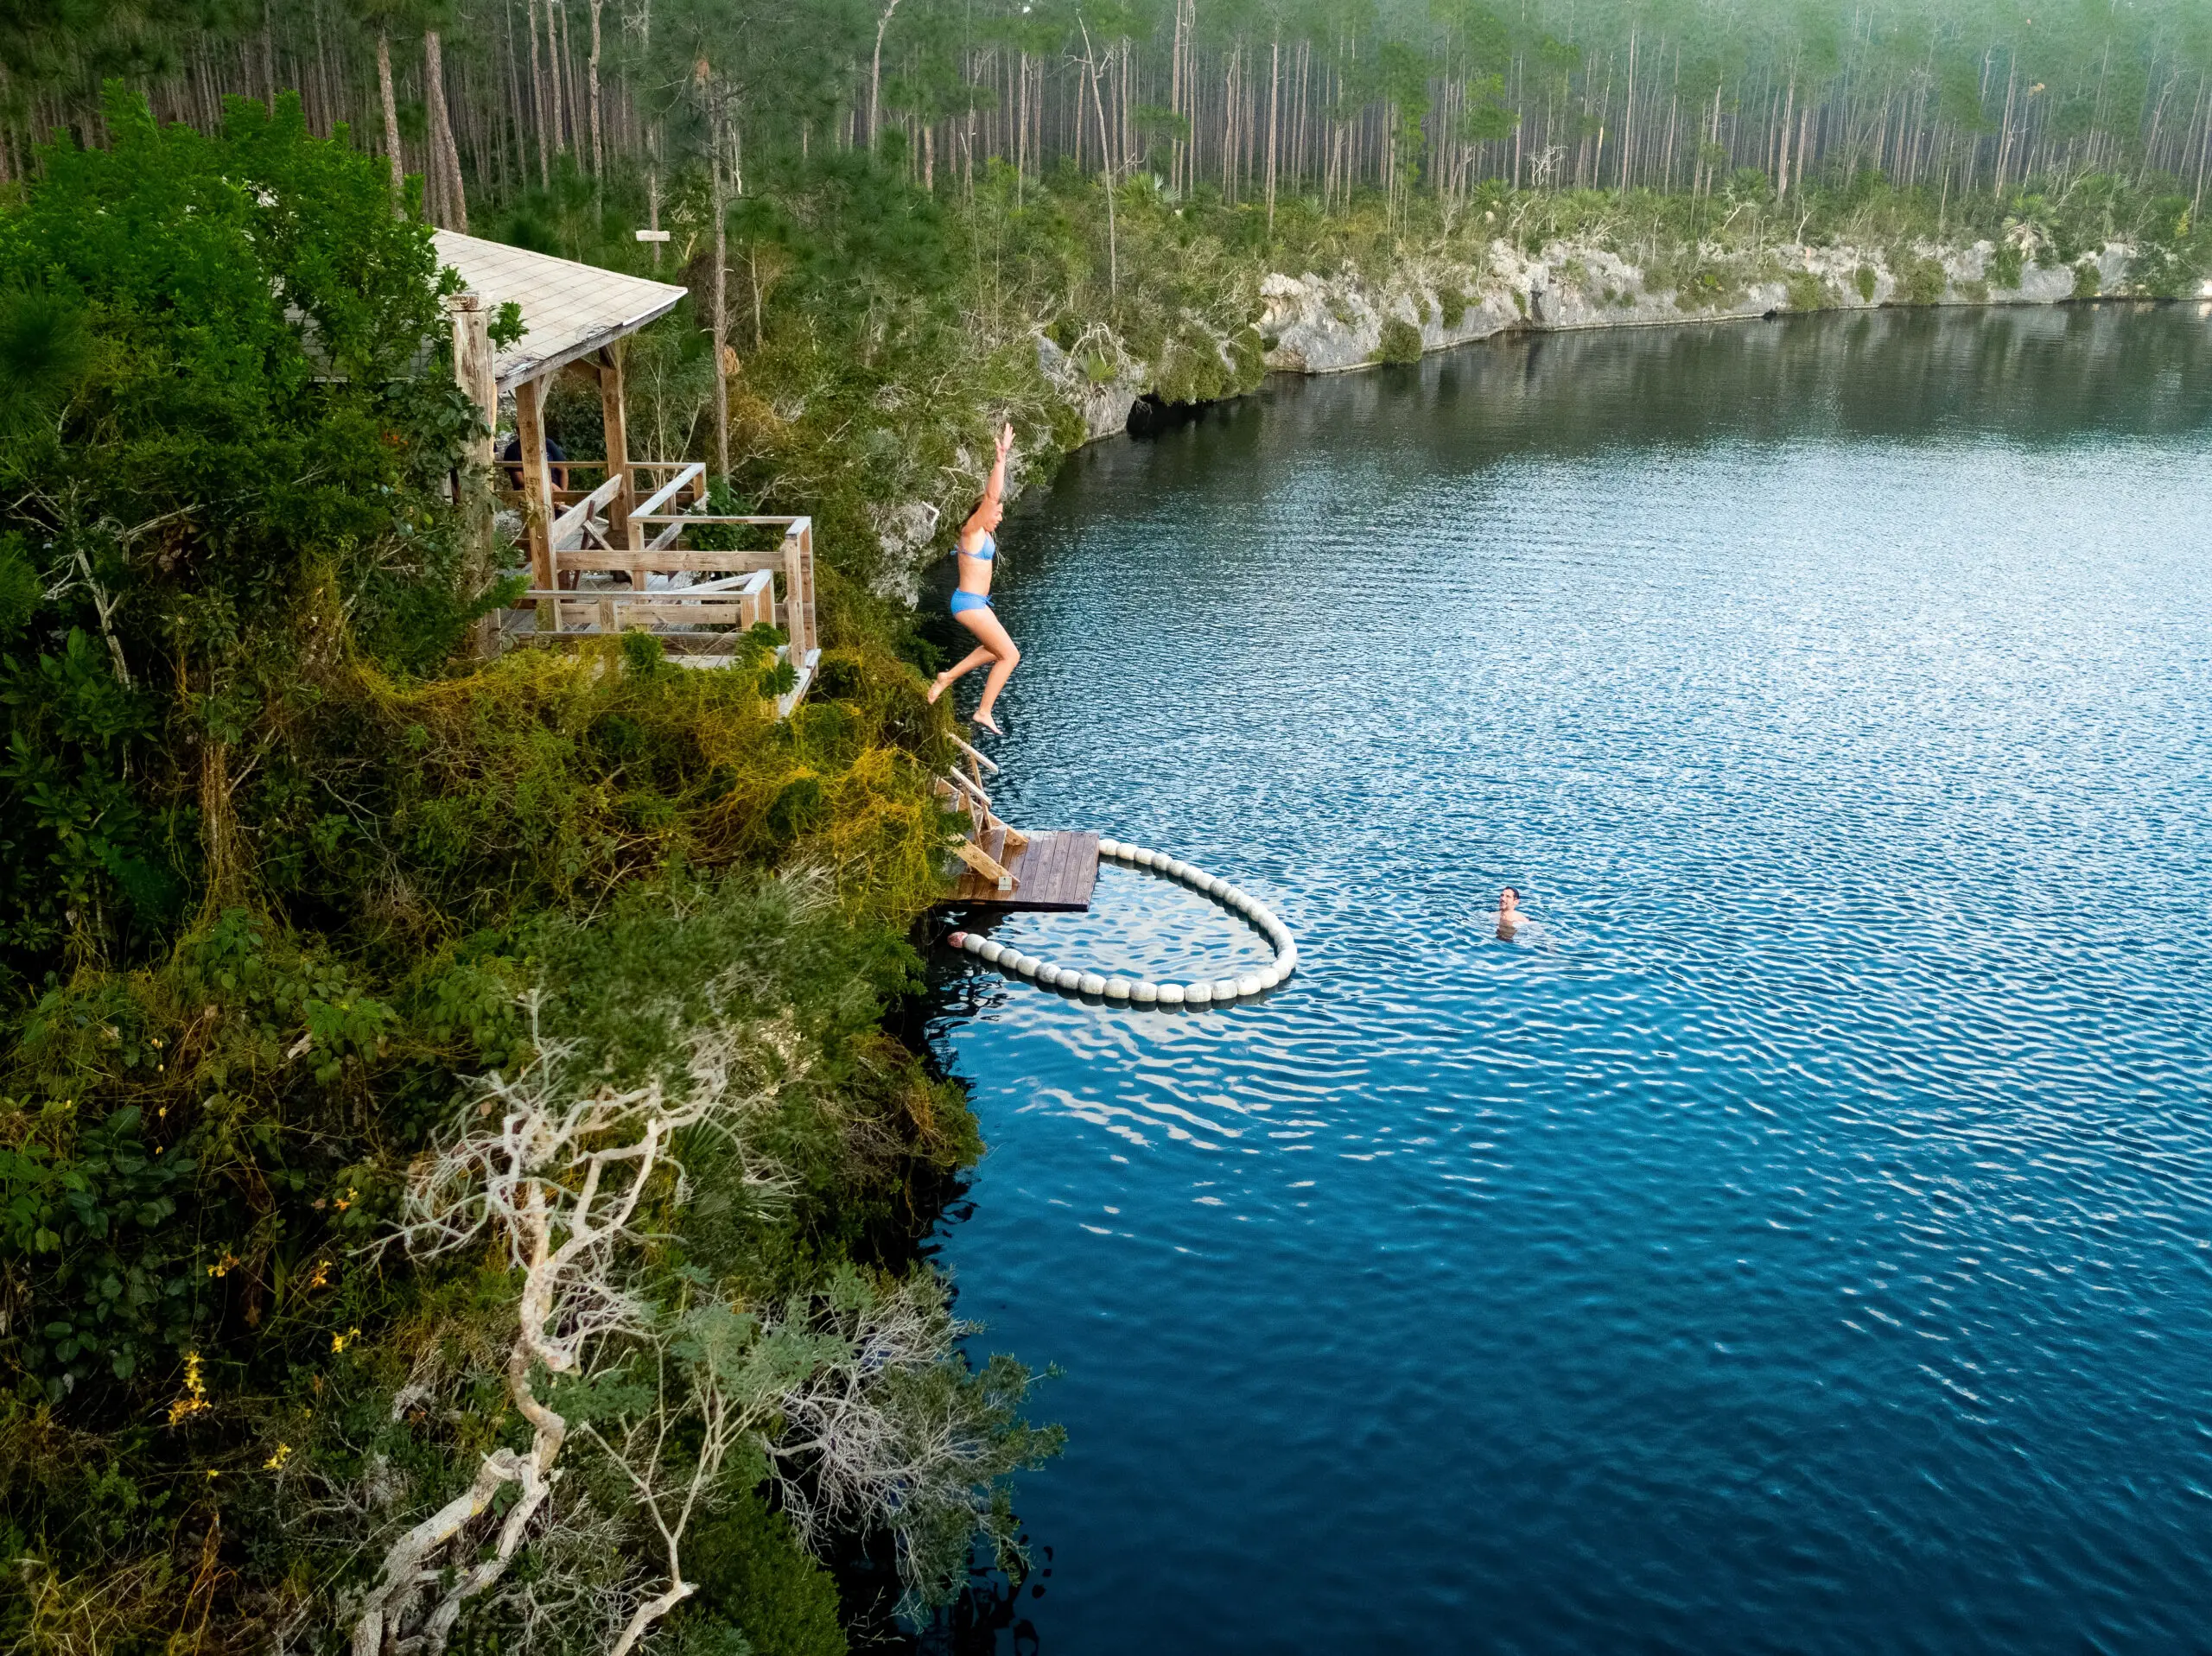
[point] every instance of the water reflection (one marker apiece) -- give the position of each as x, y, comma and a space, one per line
1811, 1249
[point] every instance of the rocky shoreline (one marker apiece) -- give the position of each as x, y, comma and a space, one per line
1313, 324
1431, 301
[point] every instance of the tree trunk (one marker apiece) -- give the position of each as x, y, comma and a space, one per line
591, 88
538, 101
268, 53
1106, 169
555, 61
1274, 89
390, 122
1781, 173
1627, 115
721, 318
875, 74
443, 155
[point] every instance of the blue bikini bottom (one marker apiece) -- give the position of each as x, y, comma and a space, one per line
962, 602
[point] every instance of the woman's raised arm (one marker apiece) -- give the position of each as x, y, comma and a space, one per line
995, 485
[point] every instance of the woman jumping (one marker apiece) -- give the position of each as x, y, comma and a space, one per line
971, 602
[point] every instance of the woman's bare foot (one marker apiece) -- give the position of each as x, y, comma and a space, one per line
988, 722
936, 689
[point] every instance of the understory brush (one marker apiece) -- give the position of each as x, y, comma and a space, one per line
451, 1158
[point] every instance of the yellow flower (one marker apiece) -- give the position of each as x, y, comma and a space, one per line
275, 1462
338, 1341
194, 1400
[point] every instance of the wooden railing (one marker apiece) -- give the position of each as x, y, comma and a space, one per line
793, 559
745, 587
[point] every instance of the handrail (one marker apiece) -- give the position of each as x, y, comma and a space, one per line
656, 596
791, 525
573, 520
661, 496
657, 560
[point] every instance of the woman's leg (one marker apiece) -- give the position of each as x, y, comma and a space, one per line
953, 675
985, 625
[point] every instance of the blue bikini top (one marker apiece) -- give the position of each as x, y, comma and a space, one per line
990, 549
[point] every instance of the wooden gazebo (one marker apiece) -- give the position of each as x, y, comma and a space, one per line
614, 556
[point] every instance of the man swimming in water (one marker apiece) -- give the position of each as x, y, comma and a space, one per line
1510, 917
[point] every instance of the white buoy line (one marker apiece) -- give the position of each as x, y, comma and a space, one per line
1142, 991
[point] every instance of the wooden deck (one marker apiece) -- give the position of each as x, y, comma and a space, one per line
1053, 872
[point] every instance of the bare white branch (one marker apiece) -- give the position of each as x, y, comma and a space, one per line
554, 1170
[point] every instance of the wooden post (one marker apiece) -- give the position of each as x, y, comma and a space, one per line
611, 413
471, 371
537, 495
798, 564
795, 597
472, 366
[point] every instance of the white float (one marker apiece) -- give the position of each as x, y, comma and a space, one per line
1142, 991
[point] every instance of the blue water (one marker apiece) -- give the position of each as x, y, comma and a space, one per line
1805, 1243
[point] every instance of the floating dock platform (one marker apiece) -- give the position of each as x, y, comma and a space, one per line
1052, 873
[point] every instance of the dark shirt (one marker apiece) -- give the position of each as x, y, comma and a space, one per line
512, 455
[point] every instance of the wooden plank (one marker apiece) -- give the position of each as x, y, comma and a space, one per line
1056, 870
571, 523
791, 525
613, 416
649, 509
1050, 861
669, 562
1083, 854
986, 866
621, 610
536, 492
982, 759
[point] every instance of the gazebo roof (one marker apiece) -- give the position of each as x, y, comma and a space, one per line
570, 309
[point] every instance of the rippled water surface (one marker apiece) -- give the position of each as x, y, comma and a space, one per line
1805, 1244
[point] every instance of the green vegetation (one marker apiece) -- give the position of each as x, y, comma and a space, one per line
1920, 281
305, 908
1401, 342
755, 1577
294, 887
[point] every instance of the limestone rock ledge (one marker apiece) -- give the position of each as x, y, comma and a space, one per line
1100, 380
1315, 324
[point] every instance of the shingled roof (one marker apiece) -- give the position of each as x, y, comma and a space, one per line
570, 309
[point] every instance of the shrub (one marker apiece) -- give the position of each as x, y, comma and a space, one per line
1806, 292
1706, 289
1401, 342
1451, 304
2088, 281
1863, 279
1920, 281
2006, 265
753, 1575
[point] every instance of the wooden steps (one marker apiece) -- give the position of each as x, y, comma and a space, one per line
1054, 874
